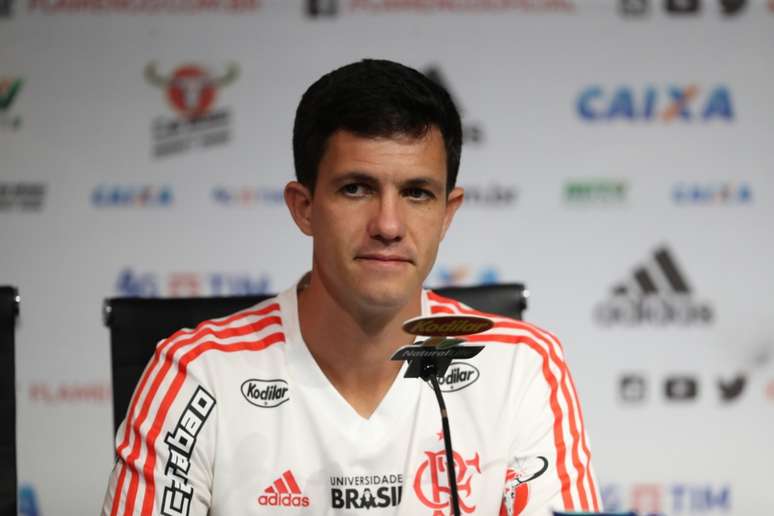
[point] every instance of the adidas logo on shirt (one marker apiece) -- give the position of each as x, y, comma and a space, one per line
657, 293
284, 492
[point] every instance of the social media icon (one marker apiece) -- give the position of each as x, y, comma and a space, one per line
632, 388
732, 389
683, 6
681, 388
732, 7
634, 7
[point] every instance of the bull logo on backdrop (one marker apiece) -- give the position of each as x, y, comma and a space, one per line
191, 91
431, 481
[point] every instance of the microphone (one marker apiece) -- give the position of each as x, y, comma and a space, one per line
429, 360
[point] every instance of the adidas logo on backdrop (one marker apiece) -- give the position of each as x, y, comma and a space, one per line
657, 294
284, 492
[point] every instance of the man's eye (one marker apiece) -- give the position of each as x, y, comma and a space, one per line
419, 194
355, 189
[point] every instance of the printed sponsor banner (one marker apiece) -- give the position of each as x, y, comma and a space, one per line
669, 498
22, 196
132, 283
626, 180
332, 8
191, 91
9, 90
188, 7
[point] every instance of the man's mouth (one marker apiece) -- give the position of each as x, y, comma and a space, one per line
385, 258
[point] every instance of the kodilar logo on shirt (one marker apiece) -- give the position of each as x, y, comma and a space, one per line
458, 376
266, 393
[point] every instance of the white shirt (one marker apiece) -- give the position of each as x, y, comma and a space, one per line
240, 420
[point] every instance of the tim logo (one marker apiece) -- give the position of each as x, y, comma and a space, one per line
673, 499
191, 91
431, 482
266, 393
690, 103
132, 283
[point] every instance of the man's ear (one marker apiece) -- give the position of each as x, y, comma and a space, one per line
299, 202
453, 201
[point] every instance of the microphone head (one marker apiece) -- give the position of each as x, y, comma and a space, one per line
445, 325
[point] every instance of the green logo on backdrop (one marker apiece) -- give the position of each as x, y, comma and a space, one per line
602, 191
9, 88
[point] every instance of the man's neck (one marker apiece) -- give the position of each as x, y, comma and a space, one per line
353, 347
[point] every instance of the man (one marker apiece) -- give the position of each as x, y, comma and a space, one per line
293, 406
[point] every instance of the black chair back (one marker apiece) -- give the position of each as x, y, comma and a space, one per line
9, 310
138, 324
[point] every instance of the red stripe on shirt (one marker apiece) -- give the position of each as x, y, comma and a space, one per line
137, 447
592, 486
177, 383
564, 477
207, 327
574, 431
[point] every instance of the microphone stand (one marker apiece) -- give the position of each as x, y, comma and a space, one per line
429, 373
429, 360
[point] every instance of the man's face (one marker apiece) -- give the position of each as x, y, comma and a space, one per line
377, 216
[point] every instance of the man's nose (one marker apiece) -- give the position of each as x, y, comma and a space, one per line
387, 220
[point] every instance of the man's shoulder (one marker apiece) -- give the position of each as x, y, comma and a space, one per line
253, 328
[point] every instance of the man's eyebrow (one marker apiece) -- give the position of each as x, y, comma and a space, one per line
427, 182
356, 176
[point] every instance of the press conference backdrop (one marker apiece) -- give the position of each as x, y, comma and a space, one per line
618, 158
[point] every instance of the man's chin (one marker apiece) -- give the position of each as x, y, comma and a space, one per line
386, 297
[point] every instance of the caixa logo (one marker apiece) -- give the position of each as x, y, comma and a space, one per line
105, 196
712, 193
131, 283
266, 393
458, 376
650, 104
674, 499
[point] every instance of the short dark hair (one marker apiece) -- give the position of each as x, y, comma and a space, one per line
373, 98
